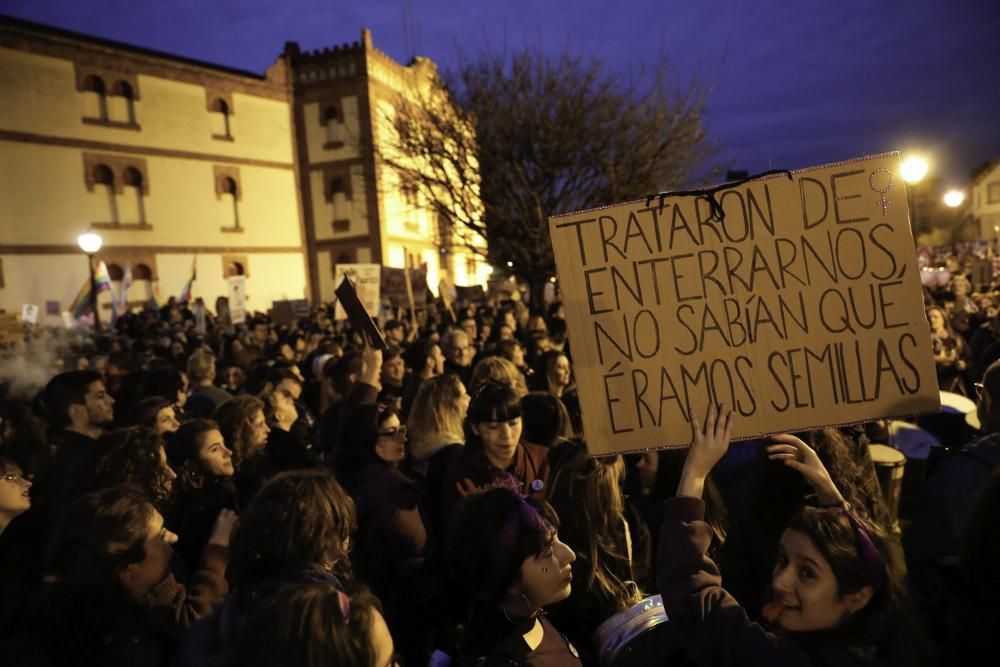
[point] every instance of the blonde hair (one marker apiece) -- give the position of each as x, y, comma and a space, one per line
500, 371
435, 417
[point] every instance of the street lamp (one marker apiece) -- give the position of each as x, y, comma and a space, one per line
954, 198
90, 243
913, 169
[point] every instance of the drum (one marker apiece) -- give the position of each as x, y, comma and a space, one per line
637, 636
889, 466
917, 446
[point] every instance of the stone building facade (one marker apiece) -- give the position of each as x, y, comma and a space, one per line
173, 160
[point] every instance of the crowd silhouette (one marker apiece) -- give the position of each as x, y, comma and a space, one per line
284, 493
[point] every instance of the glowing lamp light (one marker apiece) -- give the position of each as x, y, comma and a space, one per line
914, 169
954, 198
488, 270
510, 265
89, 242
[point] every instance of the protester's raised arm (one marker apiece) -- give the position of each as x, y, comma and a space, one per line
799, 456
708, 445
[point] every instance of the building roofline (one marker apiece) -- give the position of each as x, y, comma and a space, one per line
8, 22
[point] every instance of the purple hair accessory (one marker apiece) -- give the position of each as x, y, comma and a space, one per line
345, 605
521, 513
867, 549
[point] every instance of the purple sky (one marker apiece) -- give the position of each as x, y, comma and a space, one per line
793, 83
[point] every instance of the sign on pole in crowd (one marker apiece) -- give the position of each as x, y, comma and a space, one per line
366, 279
799, 307
237, 299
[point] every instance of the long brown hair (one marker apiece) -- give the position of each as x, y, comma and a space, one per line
302, 518
435, 417
305, 625
234, 418
586, 493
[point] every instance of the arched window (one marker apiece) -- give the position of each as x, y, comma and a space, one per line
133, 209
332, 125
235, 269
115, 272
230, 195
220, 119
95, 101
122, 103
338, 195
104, 182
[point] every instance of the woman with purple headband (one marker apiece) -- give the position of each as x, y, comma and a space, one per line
838, 597
506, 553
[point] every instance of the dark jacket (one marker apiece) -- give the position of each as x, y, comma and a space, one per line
210, 641
528, 474
395, 554
492, 639
711, 625
82, 627
948, 496
194, 514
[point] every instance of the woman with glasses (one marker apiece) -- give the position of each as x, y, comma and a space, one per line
394, 542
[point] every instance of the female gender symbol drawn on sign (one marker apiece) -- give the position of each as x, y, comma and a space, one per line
882, 198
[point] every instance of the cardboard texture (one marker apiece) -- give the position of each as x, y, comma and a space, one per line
289, 311
347, 297
11, 329
366, 279
802, 308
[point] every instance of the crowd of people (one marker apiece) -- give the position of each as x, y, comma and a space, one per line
208, 494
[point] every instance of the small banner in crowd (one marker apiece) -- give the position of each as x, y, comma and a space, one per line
793, 298
289, 312
360, 318
237, 299
11, 329
366, 279
467, 294
29, 313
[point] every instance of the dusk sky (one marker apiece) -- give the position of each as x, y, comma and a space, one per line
792, 84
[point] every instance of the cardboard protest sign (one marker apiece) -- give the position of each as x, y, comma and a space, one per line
393, 287
361, 320
366, 279
470, 294
799, 308
289, 311
11, 329
237, 299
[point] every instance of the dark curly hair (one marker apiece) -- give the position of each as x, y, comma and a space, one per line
234, 418
299, 519
132, 456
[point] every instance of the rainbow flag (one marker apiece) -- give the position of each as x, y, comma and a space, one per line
189, 286
155, 298
81, 304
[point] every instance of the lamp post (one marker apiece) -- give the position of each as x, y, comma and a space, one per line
953, 199
90, 243
913, 170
